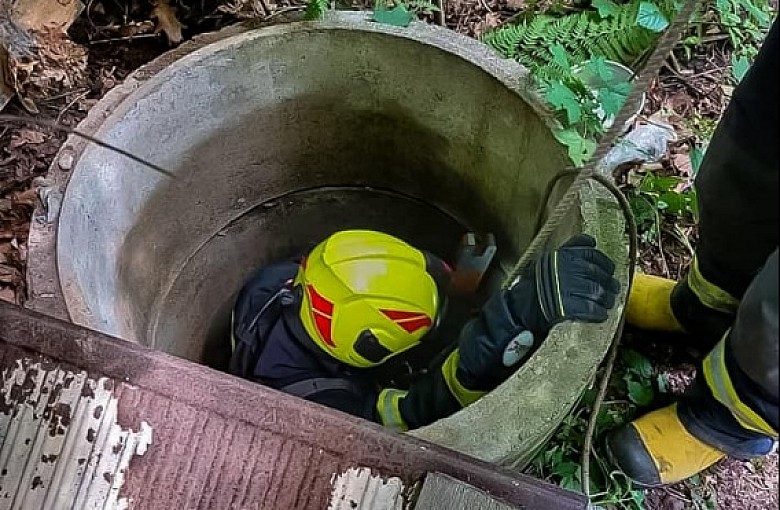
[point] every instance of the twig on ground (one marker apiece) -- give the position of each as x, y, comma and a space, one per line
714, 38
126, 38
293, 8
677, 494
686, 81
64, 94
591, 429
613, 402
708, 72
675, 63
266, 9
78, 98
678, 234
664, 264
514, 17
4, 117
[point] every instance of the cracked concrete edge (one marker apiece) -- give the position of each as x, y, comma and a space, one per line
60, 444
511, 423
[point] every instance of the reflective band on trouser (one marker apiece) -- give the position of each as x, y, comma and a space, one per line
449, 369
719, 382
387, 408
561, 310
708, 293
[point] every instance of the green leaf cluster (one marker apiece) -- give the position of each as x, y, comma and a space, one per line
746, 22
561, 51
390, 12
659, 197
617, 32
632, 386
315, 9
637, 377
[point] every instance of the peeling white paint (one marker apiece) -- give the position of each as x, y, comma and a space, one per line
357, 489
60, 444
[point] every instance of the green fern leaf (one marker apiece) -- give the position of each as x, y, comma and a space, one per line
505, 40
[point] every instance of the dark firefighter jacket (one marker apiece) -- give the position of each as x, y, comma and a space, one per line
271, 347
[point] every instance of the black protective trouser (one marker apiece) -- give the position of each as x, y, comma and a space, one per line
731, 293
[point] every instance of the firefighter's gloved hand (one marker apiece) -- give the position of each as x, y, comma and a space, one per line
574, 282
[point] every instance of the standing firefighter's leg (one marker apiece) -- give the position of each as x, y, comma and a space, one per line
731, 409
737, 188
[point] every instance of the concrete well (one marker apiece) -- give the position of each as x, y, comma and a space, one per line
281, 135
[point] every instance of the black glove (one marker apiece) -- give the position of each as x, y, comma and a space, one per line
573, 282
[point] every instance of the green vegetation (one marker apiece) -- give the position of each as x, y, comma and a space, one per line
556, 49
618, 32
633, 386
662, 197
390, 12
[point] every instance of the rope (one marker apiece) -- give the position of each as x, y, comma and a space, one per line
664, 47
633, 252
615, 344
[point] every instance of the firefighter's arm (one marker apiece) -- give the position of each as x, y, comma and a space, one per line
449, 386
573, 282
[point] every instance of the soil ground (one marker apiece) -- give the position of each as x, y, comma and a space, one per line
120, 36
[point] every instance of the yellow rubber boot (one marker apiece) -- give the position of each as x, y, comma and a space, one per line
649, 304
657, 450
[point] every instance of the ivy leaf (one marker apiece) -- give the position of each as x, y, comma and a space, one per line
315, 9
399, 16
640, 394
597, 66
622, 87
559, 56
643, 210
638, 363
651, 18
606, 8
566, 468
659, 184
739, 67
760, 16
580, 148
561, 97
676, 203
571, 483
611, 102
